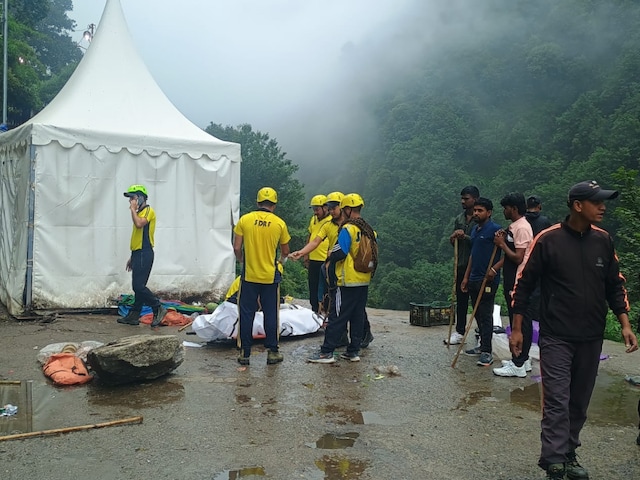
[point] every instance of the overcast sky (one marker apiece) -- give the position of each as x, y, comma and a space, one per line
275, 64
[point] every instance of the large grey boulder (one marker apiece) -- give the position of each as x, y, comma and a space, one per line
137, 358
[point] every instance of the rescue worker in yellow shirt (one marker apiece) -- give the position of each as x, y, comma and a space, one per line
141, 260
258, 235
328, 232
316, 257
353, 288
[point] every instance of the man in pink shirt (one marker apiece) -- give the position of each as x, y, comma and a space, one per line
514, 242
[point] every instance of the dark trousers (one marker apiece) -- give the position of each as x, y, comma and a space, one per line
568, 373
141, 264
269, 295
314, 276
349, 309
484, 314
366, 325
462, 302
527, 326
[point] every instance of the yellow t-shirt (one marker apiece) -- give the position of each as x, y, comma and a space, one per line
143, 237
320, 252
262, 232
329, 233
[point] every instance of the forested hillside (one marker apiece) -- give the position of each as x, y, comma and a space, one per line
546, 94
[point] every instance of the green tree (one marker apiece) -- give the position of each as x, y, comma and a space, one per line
628, 234
264, 164
41, 55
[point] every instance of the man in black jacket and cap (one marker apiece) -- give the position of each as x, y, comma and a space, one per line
579, 275
537, 221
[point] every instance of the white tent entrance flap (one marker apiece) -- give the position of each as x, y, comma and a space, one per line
64, 223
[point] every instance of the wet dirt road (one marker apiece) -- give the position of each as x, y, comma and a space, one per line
213, 420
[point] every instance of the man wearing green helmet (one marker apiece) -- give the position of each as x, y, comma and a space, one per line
141, 260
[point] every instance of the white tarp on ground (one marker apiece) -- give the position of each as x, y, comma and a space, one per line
64, 224
222, 324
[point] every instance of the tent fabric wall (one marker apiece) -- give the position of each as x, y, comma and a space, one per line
14, 182
83, 225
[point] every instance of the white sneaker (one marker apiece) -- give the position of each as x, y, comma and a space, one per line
527, 364
510, 370
455, 339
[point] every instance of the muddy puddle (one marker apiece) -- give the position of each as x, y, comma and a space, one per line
614, 401
40, 405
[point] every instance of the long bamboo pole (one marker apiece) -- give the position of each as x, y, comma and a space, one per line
185, 326
475, 307
19, 436
452, 314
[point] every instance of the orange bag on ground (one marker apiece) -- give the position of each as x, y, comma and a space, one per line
66, 369
171, 319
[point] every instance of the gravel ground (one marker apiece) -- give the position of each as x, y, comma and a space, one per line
213, 420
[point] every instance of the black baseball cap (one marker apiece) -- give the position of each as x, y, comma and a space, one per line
533, 201
590, 190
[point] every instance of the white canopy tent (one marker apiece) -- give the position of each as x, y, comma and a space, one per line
64, 223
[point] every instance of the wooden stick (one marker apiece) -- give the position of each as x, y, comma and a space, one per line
452, 314
57, 431
185, 326
475, 307
10, 382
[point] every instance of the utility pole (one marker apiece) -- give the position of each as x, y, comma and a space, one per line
5, 66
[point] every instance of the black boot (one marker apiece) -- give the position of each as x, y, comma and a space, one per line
158, 315
132, 318
575, 471
368, 338
556, 471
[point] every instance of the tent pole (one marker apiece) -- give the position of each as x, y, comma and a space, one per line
28, 288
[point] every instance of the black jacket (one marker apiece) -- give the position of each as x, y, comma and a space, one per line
579, 275
538, 222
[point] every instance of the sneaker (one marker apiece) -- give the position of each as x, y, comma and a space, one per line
242, 360
274, 357
158, 316
368, 338
321, 358
574, 469
510, 370
556, 471
131, 318
485, 359
352, 357
527, 364
455, 339
473, 351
